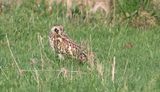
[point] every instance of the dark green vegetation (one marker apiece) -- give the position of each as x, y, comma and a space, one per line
136, 53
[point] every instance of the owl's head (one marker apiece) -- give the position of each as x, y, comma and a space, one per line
57, 29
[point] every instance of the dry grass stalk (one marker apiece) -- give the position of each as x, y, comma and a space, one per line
100, 69
33, 62
41, 49
3, 73
37, 78
125, 69
90, 54
113, 69
14, 59
63, 72
91, 60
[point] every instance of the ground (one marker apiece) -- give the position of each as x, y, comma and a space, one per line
27, 62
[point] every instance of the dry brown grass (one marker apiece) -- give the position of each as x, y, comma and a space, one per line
84, 6
143, 19
156, 4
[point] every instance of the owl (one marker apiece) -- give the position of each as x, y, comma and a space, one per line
65, 46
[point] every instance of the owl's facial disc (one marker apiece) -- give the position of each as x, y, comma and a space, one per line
58, 29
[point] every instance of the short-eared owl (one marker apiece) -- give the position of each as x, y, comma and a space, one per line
64, 46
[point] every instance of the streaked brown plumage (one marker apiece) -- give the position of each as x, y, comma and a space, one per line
65, 46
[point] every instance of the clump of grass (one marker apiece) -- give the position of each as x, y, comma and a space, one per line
137, 13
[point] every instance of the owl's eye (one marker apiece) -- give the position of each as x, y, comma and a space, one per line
56, 30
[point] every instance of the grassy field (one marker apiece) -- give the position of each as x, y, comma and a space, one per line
28, 64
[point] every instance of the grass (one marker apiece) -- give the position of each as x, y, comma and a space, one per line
137, 66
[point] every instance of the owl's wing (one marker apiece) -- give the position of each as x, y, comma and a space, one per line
68, 39
65, 36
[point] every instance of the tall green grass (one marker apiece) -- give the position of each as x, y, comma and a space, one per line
24, 40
